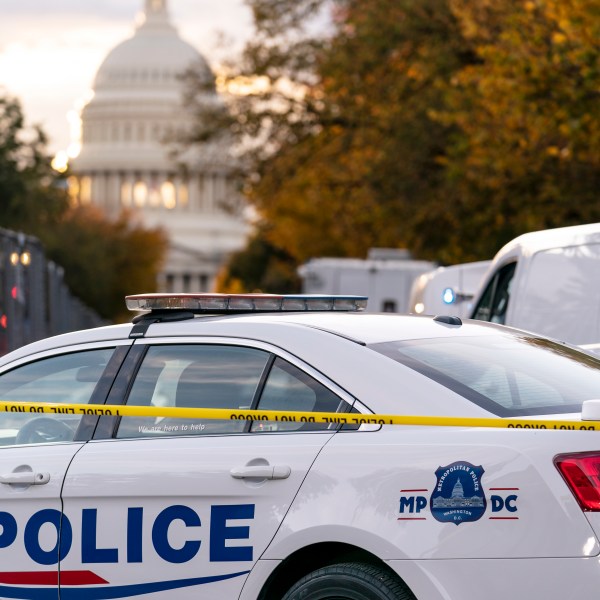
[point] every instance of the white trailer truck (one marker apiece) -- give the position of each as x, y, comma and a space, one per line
386, 277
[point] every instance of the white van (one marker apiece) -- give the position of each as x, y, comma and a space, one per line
547, 282
386, 277
447, 290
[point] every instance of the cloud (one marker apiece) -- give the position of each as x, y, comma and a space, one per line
205, 13
39, 9
50, 51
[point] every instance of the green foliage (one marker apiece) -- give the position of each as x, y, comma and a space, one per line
260, 267
104, 260
30, 197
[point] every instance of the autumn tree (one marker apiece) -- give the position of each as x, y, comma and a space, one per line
444, 126
375, 170
105, 260
336, 101
528, 112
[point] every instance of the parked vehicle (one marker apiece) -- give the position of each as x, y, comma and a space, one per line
385, 276
547, 282
98, 505
447, 290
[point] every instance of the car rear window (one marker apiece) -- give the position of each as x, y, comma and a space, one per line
508, 375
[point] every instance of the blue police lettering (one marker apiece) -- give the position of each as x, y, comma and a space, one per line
90, 553
221, 530
499, 503
412, 503
32, 537
9, 529
135, 521
160, 531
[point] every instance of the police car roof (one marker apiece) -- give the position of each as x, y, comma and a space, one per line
259, 315
365, 328
272, 318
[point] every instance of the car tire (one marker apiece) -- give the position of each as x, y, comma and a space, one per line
349, 581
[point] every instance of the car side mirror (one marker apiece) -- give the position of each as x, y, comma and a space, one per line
590, 410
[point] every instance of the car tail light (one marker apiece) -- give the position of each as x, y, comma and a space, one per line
582, 474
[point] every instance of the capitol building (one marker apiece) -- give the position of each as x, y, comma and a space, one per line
126, 164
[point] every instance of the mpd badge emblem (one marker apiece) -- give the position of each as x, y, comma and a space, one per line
458, 496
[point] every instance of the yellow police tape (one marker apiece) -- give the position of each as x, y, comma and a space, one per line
290, 416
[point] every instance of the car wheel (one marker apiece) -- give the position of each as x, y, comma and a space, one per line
349, 581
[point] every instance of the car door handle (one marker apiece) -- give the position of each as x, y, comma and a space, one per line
261, 472
25, 477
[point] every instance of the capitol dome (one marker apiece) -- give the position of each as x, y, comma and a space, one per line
155, 57
126, 162
137, 95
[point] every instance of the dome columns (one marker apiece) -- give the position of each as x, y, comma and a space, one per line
201, 193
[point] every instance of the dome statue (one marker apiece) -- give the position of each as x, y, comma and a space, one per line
126, 163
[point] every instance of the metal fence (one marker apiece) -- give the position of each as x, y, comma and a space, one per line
34, 300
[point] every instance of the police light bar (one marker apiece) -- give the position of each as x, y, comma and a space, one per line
238, 303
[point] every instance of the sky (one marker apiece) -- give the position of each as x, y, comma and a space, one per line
50, 50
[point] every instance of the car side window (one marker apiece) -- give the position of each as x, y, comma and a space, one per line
65, 379
494, 301
289, 388
194, 376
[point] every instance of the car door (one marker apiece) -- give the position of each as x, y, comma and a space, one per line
183, 508
35, 451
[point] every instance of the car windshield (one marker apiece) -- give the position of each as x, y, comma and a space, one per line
508, 375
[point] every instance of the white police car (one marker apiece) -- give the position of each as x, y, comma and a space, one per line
96, 508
